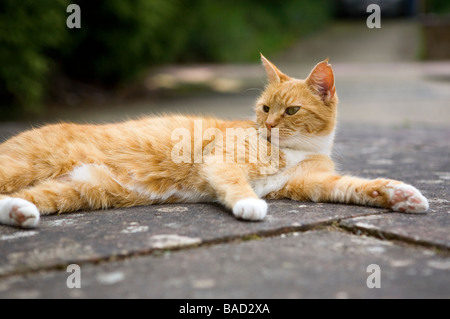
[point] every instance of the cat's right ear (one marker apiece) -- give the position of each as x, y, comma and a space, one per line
273, 74
321, 81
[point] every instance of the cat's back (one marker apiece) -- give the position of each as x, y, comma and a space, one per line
150, 127
175, 127
164, 125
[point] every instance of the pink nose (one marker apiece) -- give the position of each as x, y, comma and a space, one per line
270, 125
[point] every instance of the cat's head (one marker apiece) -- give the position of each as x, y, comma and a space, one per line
304, 111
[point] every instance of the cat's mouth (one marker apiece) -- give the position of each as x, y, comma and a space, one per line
274, 136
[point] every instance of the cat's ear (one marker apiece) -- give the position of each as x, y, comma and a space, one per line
321, 81
273, 74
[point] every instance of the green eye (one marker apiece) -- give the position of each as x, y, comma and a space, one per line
292, 110
266, 108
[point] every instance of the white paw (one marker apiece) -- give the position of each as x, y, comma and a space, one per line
406, 198
250, 209
18, 212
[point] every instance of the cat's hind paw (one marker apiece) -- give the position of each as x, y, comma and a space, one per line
250, 209
18, 212
406, 198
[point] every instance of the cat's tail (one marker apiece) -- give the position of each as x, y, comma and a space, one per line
18, 212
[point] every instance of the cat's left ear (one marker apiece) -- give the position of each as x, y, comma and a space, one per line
273, 74
321, 81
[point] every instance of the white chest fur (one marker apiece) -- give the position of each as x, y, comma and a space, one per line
295, 151
264, 185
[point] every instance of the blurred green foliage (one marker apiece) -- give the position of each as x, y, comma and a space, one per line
28, 30
120, 39
438, 6
235, 31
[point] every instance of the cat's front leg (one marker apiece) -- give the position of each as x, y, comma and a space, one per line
385, 193
397, 196
232, 189
250, 209
329, 187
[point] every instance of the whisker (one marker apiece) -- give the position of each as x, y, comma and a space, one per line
253, 89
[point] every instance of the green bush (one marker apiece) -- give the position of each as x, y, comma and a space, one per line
438, 6
29, 29
120, 39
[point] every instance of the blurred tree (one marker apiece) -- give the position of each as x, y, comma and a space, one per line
28, 31
119, 39
437, 6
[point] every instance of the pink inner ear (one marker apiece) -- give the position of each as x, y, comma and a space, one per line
322, 79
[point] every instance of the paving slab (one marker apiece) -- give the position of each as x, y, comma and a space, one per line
420, 156
92, 236
417, 156
431, 229
315, 264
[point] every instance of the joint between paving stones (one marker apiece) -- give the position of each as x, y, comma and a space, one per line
335, 225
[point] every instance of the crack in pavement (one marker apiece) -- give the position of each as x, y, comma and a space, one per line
334, 225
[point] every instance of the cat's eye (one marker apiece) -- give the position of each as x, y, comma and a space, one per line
266, 108
292, 110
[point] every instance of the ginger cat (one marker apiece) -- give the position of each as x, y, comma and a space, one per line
168, 159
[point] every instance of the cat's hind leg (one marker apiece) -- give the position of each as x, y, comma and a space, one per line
15, 173
86, 187
18, 212
20, 168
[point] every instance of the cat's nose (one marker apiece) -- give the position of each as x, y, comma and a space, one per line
270, 125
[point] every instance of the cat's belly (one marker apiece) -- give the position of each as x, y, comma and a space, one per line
172, 195
192, 197
89, 173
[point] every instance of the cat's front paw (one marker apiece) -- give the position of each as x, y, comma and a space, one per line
406, 198
18, 212
250, 209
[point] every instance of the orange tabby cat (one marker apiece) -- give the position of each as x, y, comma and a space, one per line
168, 159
